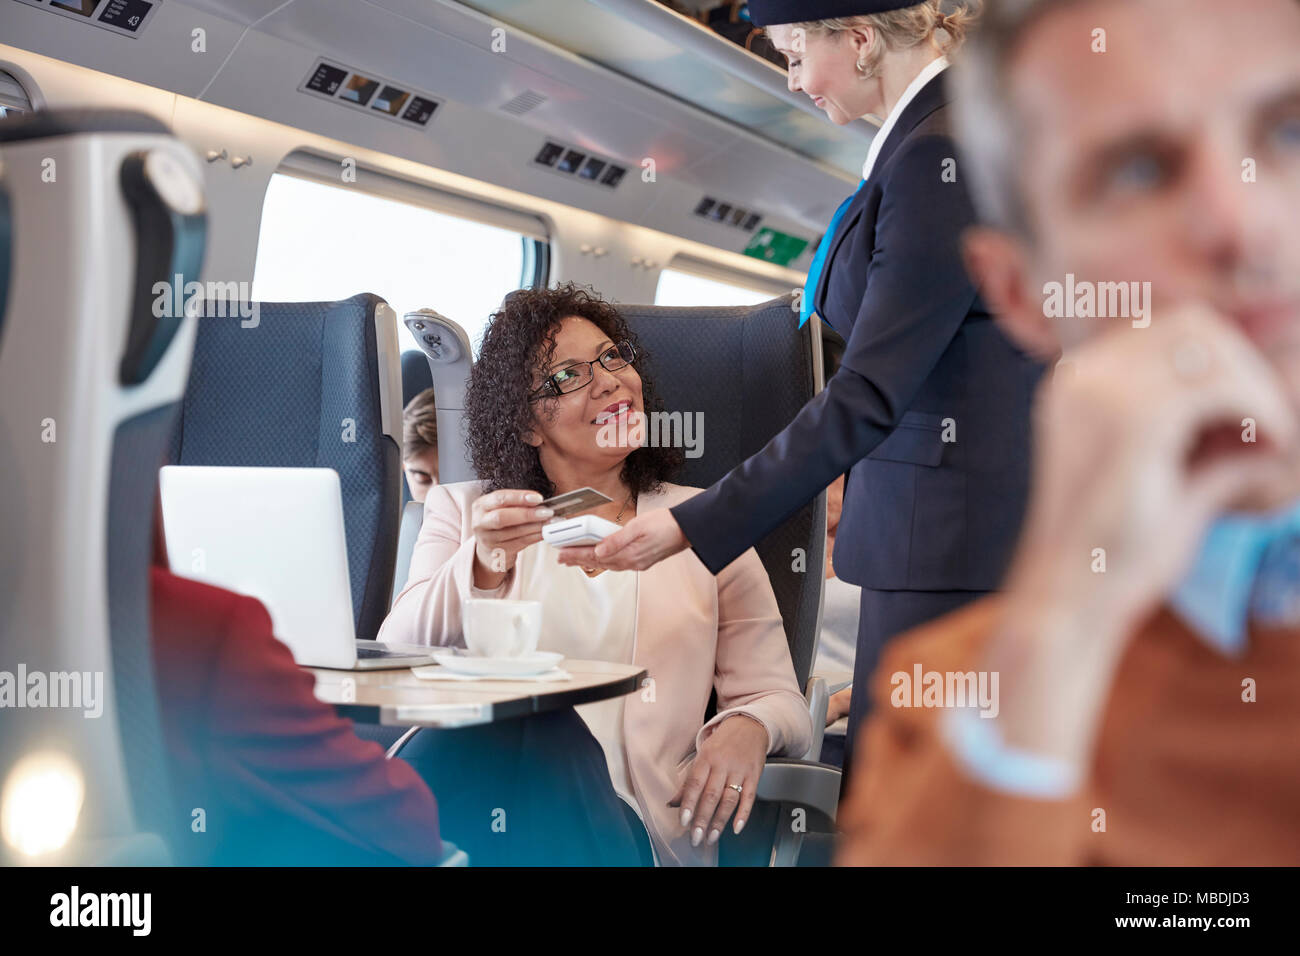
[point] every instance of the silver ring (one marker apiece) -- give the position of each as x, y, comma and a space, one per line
737, 787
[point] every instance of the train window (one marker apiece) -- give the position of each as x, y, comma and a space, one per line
13, 98
321, 242
688, 288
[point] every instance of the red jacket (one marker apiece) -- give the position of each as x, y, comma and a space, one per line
280, 777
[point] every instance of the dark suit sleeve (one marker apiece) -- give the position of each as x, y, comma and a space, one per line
271, 734
918, 295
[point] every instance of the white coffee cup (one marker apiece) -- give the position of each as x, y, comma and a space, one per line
501, 628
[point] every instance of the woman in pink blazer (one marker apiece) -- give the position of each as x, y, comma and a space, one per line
558, 389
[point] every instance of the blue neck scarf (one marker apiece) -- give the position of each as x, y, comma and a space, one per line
1217, 596
819, 261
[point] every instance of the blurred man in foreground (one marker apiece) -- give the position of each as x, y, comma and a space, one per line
1138, 162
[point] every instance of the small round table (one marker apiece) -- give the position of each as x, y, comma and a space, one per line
399, 698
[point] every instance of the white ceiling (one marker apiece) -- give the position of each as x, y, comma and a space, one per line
647, 41
611, 85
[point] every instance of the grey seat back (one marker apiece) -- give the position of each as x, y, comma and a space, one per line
90, 376
747, 370
416, 376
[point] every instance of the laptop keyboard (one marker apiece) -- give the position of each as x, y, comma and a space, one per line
376, 653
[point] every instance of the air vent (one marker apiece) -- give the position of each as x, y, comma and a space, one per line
525, 102
579, 164
727, 213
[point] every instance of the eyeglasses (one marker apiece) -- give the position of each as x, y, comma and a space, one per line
579, 375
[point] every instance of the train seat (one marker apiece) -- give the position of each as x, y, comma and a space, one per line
307, 384
696, 354
416, 376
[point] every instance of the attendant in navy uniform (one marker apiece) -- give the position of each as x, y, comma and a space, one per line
929, 411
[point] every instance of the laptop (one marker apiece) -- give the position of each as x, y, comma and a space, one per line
276, 534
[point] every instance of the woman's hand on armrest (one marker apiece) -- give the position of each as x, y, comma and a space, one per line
732, 756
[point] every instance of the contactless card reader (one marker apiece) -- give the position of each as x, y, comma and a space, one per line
584, 529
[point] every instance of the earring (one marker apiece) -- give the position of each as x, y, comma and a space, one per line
862, 68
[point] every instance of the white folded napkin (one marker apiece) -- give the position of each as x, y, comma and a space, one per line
438, 672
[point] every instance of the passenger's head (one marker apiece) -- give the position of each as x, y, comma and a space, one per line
839, 62
1126, 142
558, 374
1136, 140
420, 444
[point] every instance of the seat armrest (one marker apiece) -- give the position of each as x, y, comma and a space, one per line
803, 782
818, 696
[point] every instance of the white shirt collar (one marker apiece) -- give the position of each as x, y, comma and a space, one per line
932, 69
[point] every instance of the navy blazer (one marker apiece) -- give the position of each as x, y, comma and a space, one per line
930, 406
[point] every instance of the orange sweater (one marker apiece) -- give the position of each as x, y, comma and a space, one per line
1186, 772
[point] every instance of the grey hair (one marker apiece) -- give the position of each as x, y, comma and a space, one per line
988, 129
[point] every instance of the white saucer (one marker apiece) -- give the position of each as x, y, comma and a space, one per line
538, 662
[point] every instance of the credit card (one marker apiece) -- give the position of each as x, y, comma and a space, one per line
575, 502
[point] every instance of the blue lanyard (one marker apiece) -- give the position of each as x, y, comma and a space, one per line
819, 260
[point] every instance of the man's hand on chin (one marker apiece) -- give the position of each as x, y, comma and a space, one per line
1134, 458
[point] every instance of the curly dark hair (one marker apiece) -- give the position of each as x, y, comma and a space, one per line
519, 341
